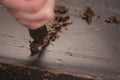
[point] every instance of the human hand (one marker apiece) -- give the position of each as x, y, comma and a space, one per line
31, 13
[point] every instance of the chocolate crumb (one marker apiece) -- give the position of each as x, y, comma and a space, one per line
88, 15
66, 28
112, 19
61, 9
98, 17
34, 47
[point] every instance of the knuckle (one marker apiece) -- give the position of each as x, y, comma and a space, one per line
35, 25
49, 15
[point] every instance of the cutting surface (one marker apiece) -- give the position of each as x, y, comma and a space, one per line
86, 49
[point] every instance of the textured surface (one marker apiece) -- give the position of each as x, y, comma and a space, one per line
86, 49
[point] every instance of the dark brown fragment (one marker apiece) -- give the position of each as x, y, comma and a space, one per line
112, 19
61, 9
39, 34
34, 47
63, 20
58, 24
98, 17
88, 15
38, 37
66, 28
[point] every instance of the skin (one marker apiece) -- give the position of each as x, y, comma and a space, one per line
31, 13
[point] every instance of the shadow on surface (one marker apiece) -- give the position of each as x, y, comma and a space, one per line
38, 36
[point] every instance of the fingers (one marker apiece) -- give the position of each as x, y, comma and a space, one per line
30, 13
34, 21
33, 25
47, 11
42, 14
50, 4
24, 5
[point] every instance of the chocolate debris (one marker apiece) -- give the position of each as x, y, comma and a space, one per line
60, 21
88, 15
61, 9
112, 19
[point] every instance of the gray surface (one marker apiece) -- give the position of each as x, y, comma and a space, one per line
95, 48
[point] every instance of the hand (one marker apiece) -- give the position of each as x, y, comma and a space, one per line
31, 13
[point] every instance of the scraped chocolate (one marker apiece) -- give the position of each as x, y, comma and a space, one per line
44, 36
34, 47
38, 39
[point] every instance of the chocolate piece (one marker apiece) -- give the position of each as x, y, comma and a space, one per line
88, 15
38, 34
42, 37
61, 9
34, 47
112, 19
38, 37
98, 17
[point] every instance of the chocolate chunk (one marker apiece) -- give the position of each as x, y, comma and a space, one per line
112, 19
88, 15
34, 47
61, 9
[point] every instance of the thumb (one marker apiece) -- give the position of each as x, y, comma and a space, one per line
24, 5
